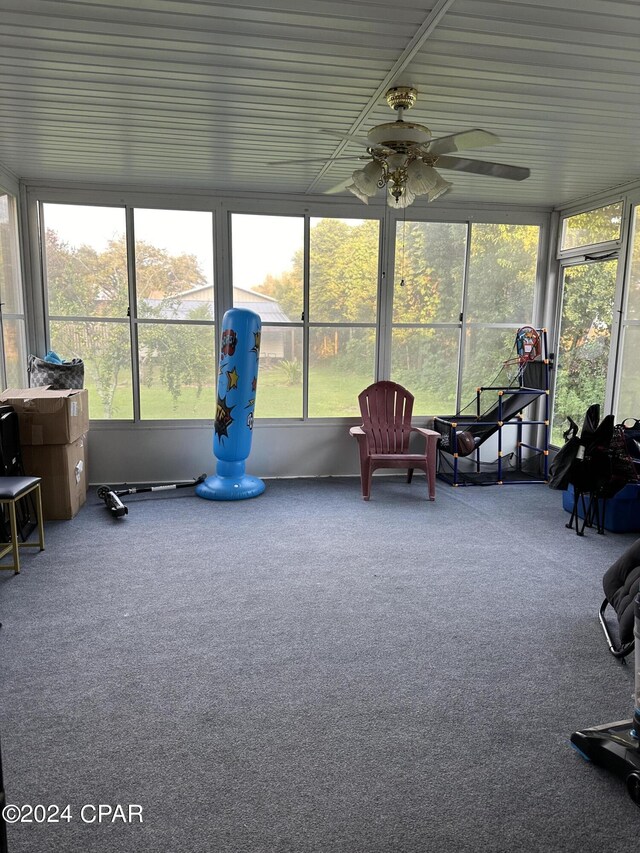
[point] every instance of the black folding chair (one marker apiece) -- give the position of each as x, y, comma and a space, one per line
11, 466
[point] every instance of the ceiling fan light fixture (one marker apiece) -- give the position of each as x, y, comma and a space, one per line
367, 179
399, 196
441, 187
402, 155
421, 177
358, 193
395, 161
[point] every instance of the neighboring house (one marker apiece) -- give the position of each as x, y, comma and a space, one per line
277, 342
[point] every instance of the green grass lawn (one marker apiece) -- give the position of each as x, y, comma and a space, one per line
332, 394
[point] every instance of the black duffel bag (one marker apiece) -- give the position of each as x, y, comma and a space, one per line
562, 467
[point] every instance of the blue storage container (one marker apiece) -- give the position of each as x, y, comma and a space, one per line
622, 511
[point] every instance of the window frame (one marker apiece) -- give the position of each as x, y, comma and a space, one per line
14, 211
328, 212
463, 325
132, 320
595, 253
602, 246
625, 264
221, 207
615, 343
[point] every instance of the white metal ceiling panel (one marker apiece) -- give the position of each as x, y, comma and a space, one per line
204, 94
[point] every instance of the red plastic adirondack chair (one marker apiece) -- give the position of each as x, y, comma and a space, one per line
383, 438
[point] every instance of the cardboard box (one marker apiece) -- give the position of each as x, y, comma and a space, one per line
63, 470
49, 417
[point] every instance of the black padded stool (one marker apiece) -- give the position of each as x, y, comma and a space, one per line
13, 489
621, 584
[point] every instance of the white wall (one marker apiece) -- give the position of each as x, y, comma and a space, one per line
120, 454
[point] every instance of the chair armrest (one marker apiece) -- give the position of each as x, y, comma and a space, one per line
356, 431
427, 433
430, 437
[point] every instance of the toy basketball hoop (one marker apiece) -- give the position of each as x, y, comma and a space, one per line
527, 344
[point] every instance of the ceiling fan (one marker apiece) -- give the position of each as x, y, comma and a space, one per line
402, 156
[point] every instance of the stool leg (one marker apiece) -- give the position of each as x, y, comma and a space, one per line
14, 537
40, 522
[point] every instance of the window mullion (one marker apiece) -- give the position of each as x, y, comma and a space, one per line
463, 318
133, 311
620, 309
305, 316
386, 243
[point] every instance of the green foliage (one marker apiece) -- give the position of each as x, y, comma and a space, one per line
430, 259
82, 282
587, 315
585, 338
343, 273
502, 273
593, 226
292, 370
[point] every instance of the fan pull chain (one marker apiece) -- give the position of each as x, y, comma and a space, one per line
404, 230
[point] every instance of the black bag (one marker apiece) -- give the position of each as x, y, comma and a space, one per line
595, 474
624, 467
562, 466
69, 374
631, 434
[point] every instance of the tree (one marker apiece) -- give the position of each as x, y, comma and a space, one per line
584, 341
429, 274
83, 282
588, 295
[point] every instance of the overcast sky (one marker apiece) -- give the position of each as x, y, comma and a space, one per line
262, 244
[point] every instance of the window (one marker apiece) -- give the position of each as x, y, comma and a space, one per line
12, 327
268, 278
343, 297
453, 278
500, 299
130, 290
85, 262
427, 306
584, 343
587, 344
629, 378
92, 315
338, 329
177, 360
602, 225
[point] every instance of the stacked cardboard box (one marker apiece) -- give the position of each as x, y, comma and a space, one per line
53, 435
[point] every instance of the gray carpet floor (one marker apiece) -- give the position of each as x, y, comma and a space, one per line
309, 672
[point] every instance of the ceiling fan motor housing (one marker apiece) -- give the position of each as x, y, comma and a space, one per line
401, 97
398, 135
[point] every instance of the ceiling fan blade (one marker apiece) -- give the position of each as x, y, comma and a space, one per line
483, 167
475, 138
341, 187
311, 160
359, 140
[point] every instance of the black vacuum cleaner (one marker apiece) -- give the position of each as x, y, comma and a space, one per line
616, 746
111, 497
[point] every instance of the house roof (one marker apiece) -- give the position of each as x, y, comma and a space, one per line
181, 309
259, 297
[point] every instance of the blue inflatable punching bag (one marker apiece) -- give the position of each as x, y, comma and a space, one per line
237, 383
